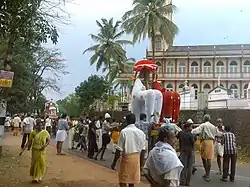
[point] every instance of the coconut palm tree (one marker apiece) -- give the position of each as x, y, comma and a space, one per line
117, 68
108, 49
149, 17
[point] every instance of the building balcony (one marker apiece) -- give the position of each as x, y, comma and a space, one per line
204, 76
196, 76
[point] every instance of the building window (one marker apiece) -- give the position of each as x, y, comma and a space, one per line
233, 67
207, 67
194, 67
234, 90
169, 87
181, 87
195, 90
182, 67
245, 90
220, 67
206, 88
158, 45
246, 67
170, 67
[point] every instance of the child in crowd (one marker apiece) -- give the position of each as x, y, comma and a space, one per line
230, 154
115, 137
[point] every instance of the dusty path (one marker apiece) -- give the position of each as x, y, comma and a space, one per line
63, 171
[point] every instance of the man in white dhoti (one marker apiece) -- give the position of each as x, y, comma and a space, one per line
61, 133
98, 133
131, 143
48, 124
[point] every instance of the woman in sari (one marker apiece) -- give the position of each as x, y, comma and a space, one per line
163, 167
39, 139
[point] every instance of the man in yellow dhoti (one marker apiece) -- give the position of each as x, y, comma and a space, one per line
16, 125
39, 139
207, 132
130, 144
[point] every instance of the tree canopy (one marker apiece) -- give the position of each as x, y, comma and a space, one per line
25, 26
70, 105
91, 91
29, 67
32, 21
108, 52
149, 18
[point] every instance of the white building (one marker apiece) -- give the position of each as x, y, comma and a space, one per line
217, 98
220, 97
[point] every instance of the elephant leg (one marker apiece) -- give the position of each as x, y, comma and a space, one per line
136, 108
149, 104
158, 105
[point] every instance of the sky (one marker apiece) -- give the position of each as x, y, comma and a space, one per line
199, 22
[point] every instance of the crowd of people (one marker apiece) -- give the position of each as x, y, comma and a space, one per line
163, 167
90, 135
160, 163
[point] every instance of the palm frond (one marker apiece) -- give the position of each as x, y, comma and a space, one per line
92, 48
99, 63
117, 24
138, 9
119, 34
93, 58
124, 42
96, 38
167, 9
116, 84
104, 21
104, 69
99, 24
110, 22
168, 29
127, 14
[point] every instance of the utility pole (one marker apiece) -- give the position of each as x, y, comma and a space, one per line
6, 80
3, 106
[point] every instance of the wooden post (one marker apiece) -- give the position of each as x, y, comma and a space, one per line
3, 106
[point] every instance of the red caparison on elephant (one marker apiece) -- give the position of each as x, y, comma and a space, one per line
171, 101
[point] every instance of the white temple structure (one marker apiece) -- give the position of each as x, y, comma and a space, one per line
217, 98
188, 100
220, 97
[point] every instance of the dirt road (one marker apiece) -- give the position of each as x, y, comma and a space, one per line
75, 171
63, 171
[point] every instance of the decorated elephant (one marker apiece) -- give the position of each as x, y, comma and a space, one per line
153, 100
171, 102
146, 101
